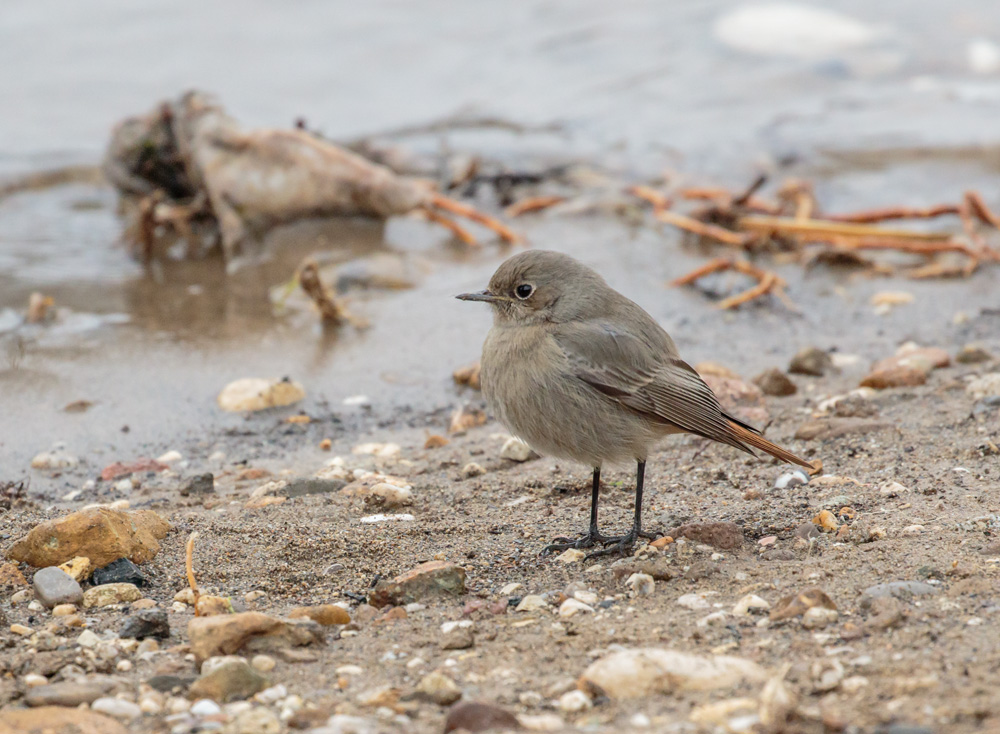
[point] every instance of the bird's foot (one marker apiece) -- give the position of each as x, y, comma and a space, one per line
587, 540
615, 546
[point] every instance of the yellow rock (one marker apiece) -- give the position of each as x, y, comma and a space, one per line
79, 568
101, 534
57, 720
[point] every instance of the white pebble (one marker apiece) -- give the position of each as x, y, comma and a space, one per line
794, 478
117, 708
205, 707
693, 601
263, 663
750, 604
574, 701
34, 679
640, 584
272, 694
87, 639
352, 669
515, 449
570, 607
404, 517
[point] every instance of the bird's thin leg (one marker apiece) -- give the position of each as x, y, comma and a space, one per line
593, 535
625, 543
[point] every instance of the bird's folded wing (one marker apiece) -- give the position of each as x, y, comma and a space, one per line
644, 377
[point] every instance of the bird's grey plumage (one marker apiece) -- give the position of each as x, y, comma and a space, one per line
582, 358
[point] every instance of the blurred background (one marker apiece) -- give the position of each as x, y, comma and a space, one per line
875, 104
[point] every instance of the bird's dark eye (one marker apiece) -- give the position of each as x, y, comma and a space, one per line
524, 290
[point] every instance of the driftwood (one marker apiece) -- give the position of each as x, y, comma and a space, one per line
189, 169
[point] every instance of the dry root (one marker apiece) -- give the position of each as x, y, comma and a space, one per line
767, 281
748, 222
438, 201
189, 568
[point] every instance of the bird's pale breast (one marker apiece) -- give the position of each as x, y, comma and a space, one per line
529, 384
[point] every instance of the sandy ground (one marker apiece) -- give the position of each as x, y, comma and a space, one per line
927, 661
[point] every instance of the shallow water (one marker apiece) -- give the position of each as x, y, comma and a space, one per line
639, 88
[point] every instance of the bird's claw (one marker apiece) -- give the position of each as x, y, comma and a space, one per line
588, 540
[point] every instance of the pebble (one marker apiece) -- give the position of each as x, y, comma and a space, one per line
972, 354
894, 377
146, 623
252, 394
571, 607
439, 688
372, 519
65, 693
811, 361
587, 597
987, 385
117, 708
79, 568
775, 382
796, 605
33, 679
472, 469
750, 604
639, 672
573, 702
433, 579
792, 30
531, 603
386, 495
478, 717
694, 602
324, 614
510, 588
459, 637
256, 720
571, 555
817, 618
380, 450
87, 638
794, 478
210, 636
896, 589
263, 663
640, 584
108, 594
233, 680
515, 449
205, 707
721, 535
57, 459
53, 587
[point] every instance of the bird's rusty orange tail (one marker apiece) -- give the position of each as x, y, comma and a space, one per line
746, 436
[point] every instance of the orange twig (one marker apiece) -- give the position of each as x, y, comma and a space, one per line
872, 216
454, 227
463, 210
533, 204
703, 229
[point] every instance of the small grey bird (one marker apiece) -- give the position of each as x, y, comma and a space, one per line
580, 372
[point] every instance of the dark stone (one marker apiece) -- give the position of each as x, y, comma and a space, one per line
811, 361
306, 485
122, 571
721, 535
200, 484
146, 623
806, 531
170, 683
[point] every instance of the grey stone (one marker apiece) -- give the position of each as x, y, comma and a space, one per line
199, 484
65, 693
306, 485
147, 623
896, 589
54, 586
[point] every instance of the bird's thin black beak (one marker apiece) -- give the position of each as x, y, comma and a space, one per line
480, 296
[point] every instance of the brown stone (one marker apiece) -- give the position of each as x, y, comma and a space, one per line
66, 693
468, 375
475, 717
827, 428
11, 577
57, 720
721, 535
254, 631
101, 534
324, 614
795, 605
921, 358
895, 377
233, 681
715, 370
210, 606
428, 580
775, 382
